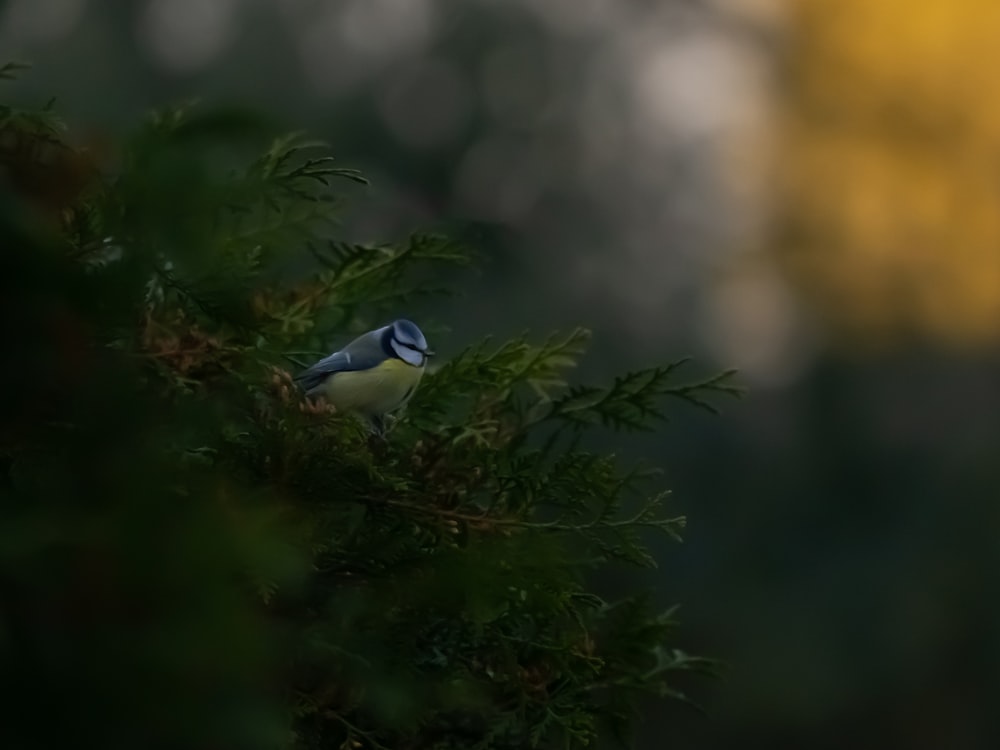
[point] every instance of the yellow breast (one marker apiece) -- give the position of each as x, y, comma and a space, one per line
379, 390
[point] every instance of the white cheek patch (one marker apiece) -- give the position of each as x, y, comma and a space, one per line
406, 354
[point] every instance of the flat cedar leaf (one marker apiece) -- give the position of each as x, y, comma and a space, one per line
11, 71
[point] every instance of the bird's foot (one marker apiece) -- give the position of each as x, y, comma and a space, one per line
380, 425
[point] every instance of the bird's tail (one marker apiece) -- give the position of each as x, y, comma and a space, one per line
309, 381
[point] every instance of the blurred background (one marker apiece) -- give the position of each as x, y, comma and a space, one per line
808, 190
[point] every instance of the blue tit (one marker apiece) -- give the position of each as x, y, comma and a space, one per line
373, 375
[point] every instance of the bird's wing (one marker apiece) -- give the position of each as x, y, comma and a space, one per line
312, 378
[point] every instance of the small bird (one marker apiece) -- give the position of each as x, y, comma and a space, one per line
373, 375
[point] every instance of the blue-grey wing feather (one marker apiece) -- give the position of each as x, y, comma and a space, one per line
358, 355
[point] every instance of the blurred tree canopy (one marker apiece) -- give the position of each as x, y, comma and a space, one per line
187, 558
888, 167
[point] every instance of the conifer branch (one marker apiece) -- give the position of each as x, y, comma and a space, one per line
632, 402
429, 588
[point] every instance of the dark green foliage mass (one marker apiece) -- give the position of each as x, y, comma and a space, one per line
190, 559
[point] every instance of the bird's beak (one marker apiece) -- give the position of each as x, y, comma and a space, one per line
428, 353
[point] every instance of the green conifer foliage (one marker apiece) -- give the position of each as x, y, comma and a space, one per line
189, 558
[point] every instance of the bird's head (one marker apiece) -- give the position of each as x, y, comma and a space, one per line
408, 343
